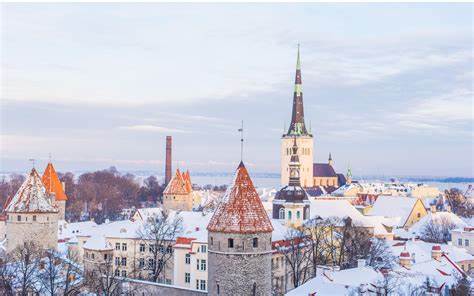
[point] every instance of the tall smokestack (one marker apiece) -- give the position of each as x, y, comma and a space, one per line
168, 160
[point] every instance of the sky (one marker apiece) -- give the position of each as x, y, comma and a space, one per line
388, 89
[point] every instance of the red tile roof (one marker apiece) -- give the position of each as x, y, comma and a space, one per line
52, 183
241, 210
178, 184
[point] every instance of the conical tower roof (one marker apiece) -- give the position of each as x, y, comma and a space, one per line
52, 183
177, 185
31, 197
241, 210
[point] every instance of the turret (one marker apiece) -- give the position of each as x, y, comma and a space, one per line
239, 239
330, 162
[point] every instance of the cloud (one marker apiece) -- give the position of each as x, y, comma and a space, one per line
151, 128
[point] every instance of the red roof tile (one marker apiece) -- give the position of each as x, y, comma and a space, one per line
241, 210
52, 183
177, 185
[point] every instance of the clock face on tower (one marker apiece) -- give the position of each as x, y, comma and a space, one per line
294, 173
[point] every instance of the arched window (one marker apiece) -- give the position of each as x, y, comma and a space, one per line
289, 215
281, 214
298, 215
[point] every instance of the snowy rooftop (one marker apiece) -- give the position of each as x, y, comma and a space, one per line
393, 206
438, 218
31, 197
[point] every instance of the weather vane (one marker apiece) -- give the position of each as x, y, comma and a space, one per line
241, 130
32, 161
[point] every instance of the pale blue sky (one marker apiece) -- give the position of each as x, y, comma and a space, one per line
387, 88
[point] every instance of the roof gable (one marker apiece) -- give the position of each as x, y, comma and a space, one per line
53, 184
31, 197
241, 210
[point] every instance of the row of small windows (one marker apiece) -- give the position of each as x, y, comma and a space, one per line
19, 218
304, 151
230, 242
281, 214
466, 242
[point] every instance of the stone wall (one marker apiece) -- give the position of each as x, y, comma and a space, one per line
242, 269
41, 228
178, 202
139, 287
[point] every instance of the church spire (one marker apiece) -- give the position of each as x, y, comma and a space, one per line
297, 126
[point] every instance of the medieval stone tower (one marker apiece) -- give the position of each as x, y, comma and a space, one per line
179, 195
239, 240
56, 189
303, 138
31, 216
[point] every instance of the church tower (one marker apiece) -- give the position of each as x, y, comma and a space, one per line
303, 138
240, 242
291, 203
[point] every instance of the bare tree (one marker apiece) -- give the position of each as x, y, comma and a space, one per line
438, 231
159, 234
459, 203
380, 254
388, 284
103, 280
316, 230
296, 254
60, 274
463, 286
25, 263
7, 276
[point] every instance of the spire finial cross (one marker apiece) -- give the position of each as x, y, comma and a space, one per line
241, 130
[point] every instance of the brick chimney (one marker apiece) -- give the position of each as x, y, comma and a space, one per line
405, 259
436, 252
168, 160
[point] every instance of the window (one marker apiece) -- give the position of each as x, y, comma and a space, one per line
203, 249
203, 264
142, 247
289, 215
124, 273
197, 264
117, 246
34, 218
218, 289
93, 256
187, 277
254, 289
203, 285
466, 242
141, 262
212, 241
105, 257
298, 215
124, 261
124, 246
197, 284
281, 213
169, 249
230, 243
187, 258
151, 263
459, 241
117, 272
168, 281
255, 242
151, 248
117, 261
418, 215
161, 249
18, 218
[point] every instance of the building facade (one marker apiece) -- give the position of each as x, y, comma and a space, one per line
179, 195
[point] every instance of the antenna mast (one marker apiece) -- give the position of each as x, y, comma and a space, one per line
241, 130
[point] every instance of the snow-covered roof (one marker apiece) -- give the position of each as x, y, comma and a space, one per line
280, 230
98, 243
341, 282
68, 231
179, 184
436, 218
442, 271
31, 197
241, 210
145, 213
394, 206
